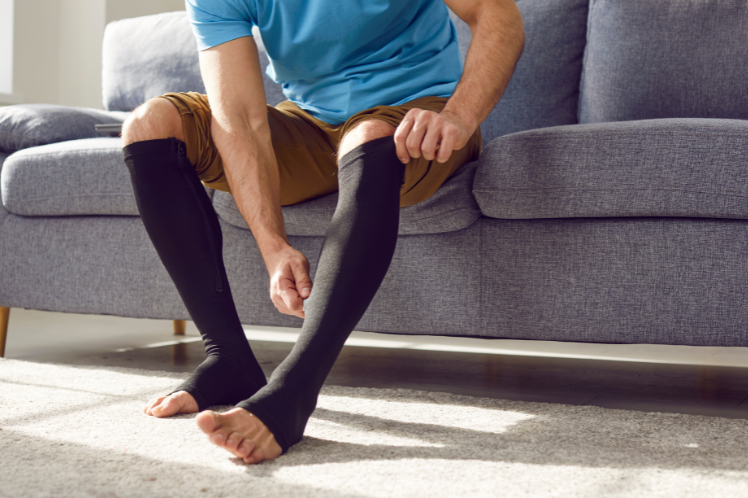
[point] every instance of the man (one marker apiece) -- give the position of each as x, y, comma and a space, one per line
379, 108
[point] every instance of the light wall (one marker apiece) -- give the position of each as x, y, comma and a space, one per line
79, 52
6, 46
124, 9
57, 46
35, 38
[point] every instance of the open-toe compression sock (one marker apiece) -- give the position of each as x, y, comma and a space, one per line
356, 254
184, 228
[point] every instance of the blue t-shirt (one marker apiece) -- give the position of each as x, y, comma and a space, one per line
335, 58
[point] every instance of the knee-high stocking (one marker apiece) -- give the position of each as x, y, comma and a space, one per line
183, 227
355, 257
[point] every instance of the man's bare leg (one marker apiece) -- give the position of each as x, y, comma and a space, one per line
355, 257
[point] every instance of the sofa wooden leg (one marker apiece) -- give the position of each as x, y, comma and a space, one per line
4, 317
180, 326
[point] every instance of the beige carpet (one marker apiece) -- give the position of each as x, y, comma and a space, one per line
76, 431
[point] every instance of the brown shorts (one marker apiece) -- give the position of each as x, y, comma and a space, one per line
306, 148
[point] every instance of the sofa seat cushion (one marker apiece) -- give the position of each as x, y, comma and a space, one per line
665, 59
665, 167
451, 208
79, 177
28, 125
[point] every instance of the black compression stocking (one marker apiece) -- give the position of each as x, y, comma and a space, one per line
355, 257
183, 227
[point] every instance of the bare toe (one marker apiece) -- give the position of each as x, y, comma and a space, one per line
245, 449
233, 441
179, 402
169, 406
148, 410
218, 438
255, 441
207, 422
255, 457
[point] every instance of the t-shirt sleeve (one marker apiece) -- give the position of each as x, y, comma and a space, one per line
217, 21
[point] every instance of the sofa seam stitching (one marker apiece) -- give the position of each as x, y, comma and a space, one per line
593, 189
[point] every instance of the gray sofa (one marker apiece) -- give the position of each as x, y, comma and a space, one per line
610, 203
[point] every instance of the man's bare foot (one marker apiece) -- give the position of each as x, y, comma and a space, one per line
240, 433
166, 406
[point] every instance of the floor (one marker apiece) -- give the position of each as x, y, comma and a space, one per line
679, 379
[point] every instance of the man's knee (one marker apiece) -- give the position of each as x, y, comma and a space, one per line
365, 131
155, 119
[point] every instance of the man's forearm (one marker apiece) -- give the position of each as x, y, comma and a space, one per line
497, 42
252, 173
239, 126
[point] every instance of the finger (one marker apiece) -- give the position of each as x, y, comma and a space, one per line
401, 134
291, 300
294, 303
279, 304
431, 139
291, 297
446, 147
415, 137
303, 282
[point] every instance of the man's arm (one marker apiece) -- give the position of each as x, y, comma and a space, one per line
498, 40
233, 79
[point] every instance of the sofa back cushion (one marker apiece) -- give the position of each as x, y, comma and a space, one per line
665, 59
148, 56
144, 57
544, 89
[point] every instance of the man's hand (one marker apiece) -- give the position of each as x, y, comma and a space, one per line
431, 135
289, 280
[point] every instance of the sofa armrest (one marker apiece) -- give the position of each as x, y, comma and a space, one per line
665, 167
3, 211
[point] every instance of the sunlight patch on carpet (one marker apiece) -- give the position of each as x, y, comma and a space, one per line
80, 431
